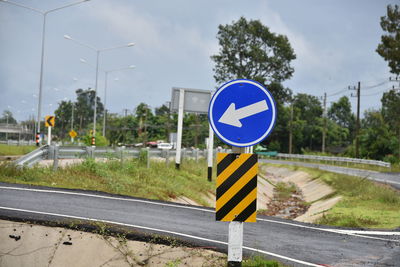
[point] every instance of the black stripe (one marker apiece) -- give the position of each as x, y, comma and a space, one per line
247, 212
231, 180
223, 164
235, 200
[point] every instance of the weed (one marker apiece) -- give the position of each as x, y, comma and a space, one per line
258, 261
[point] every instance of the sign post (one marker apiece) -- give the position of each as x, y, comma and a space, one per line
49, 123
242, 113
187, 100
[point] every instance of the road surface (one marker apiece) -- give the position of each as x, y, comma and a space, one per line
296, 244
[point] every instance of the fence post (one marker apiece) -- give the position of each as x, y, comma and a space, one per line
197, 155
167, 157
55, 157
148, 157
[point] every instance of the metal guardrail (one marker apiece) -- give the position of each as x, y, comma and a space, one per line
33, 157
335, 159
75, 152
18, 142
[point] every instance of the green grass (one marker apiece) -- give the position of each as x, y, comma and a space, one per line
285, 190
259, 261
6, 150
130, 178
364, 203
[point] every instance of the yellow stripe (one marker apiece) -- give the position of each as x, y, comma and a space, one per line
221, 156
232, 168
241, 206
252, 217
232, 191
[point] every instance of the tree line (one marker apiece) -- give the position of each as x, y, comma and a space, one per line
249, 50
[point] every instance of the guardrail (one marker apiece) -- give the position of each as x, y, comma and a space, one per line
33, 157
18, 142
335, 159
76, 152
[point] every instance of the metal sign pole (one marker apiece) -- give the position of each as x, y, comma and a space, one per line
235, 244
179, 130
235, 236
210, 152
49, 136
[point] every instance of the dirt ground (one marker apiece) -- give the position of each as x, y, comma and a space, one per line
24, 244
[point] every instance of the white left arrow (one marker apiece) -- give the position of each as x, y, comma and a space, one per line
232, 116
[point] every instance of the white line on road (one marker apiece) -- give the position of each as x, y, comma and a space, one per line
163, 231
337, 231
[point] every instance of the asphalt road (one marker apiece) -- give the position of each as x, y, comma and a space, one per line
390, 178
294, 243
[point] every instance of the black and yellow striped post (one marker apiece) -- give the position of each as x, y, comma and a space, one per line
236, 197
236, 187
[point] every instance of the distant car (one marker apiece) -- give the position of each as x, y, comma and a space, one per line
164, 146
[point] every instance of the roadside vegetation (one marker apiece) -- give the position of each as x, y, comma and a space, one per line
131, 178
365, 203
6, 150
259, 261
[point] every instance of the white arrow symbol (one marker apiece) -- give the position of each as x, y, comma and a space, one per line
232, 116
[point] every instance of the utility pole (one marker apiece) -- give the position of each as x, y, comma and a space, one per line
324, 129
291, 128
358, 89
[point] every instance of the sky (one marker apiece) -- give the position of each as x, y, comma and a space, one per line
334, 41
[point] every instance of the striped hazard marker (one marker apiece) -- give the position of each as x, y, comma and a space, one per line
236, 187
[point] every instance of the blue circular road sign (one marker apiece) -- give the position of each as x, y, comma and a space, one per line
242, 113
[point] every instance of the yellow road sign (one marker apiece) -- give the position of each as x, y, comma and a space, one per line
236, 187
72, 133
50, 121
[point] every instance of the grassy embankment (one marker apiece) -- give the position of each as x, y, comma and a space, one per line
130, 178
364, 204
6, 150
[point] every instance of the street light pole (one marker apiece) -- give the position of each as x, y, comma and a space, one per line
105, 94
97, 71
106, 72
44, 14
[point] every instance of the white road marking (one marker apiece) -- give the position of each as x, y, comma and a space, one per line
163, 231
337, 231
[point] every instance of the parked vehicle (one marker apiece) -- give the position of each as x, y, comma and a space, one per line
164, 146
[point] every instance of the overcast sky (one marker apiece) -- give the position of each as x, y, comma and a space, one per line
334, 41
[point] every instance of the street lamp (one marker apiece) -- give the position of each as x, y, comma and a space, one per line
44, 14
97, 70
105, 89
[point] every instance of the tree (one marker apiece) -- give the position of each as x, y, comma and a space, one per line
340, 113
8, 117
63, 118
375, 139
84, 108
389, 48
248, 50
391, 112
308, 111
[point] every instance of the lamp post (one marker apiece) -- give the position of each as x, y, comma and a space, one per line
97, 70
106, 72
44, 14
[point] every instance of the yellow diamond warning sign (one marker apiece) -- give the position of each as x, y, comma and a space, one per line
72, 133
50, 121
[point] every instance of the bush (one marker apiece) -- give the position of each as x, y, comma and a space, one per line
100, 140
